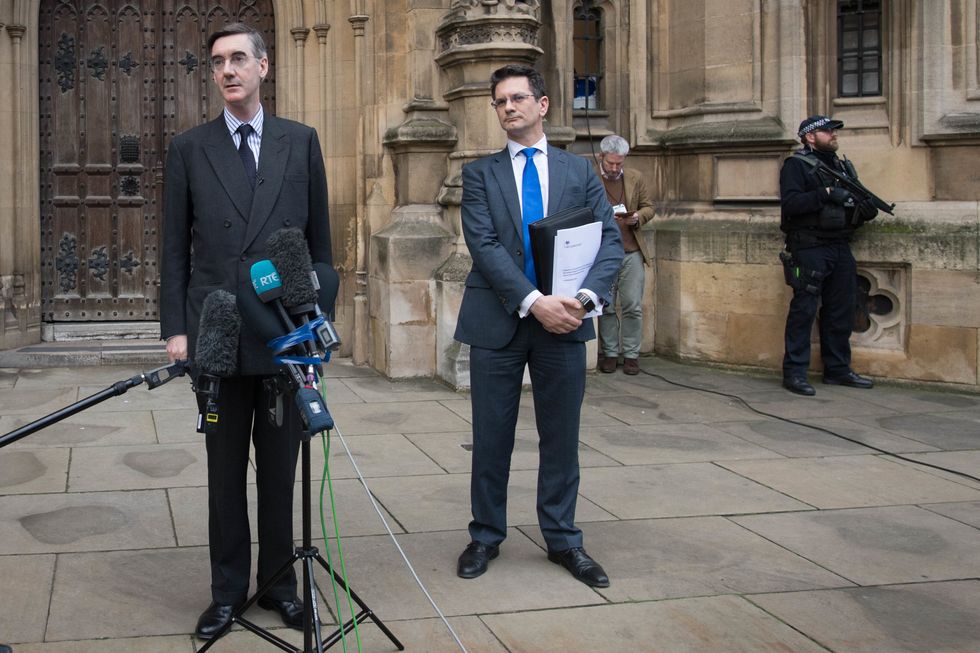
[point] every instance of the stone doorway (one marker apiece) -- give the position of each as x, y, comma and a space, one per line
117, 80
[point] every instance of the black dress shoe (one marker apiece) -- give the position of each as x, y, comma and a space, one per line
851, 379
291, 610
474, 559
581, 566
799, 385
214, 619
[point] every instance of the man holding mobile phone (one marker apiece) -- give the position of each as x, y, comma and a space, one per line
627, 192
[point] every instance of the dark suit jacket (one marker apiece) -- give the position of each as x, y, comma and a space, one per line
216, 227
492, 227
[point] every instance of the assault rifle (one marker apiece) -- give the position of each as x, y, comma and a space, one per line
849, 181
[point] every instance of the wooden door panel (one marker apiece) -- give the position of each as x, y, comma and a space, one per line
118, 79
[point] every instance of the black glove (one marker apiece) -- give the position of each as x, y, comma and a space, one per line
866, 210
841, 196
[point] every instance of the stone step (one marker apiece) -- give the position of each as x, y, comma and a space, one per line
72, 331
79, 353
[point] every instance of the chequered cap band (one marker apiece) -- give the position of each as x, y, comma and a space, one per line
816, 124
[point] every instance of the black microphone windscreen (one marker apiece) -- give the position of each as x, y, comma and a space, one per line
329, 285
217, 335
290, 253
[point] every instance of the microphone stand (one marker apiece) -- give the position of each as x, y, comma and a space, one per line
308, 554
153, 379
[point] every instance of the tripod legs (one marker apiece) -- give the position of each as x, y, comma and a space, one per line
313, 639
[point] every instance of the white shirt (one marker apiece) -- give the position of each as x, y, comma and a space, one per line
518, 161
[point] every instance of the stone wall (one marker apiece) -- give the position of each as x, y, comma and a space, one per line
719, 296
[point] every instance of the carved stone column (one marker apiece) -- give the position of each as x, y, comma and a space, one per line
475, 38
20, 264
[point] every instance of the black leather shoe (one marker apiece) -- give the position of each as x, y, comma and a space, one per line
214, 619
474, 559
851, 380
800, 386
581, 566
291, 610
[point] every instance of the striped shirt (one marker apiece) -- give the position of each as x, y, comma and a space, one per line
254, 139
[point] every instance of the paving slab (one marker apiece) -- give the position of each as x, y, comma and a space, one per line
396, 417
93, 375
355, 514
174, 644
138, 467
453, 451
954, 430
521, 578
655, 444
526, 418
36, 401
652, 559
167, 588
872, 546
176, 394
675, 408
782, 403
965, 462
851, 481
174, 426
375, 455
27, 583
967, 512
86, 428
439, 503
26, 471
934, 617
598, 384
723, 623
376, 389
84, 521
800, 440
648, 491
911, 400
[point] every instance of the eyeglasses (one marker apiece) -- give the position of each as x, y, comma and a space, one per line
516, 98
237, 61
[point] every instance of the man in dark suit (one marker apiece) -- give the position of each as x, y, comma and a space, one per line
230, 184
508, 323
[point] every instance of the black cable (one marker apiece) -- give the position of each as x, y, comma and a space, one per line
810, 426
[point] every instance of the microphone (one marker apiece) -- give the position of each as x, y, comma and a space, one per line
290, 255
270, 290
216, 354
308, 289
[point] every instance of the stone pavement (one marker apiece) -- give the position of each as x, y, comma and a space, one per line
721, 529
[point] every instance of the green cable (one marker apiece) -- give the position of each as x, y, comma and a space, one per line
336, 527
326, 542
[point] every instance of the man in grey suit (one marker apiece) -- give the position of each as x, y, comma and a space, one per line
509, 323
230, 184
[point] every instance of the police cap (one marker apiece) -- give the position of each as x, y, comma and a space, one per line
818, 122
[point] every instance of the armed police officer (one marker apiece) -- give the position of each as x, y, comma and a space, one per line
820, 213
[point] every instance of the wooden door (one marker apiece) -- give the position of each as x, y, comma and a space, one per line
118, 79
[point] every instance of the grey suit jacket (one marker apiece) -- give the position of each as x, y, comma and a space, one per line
215, 225
492, 227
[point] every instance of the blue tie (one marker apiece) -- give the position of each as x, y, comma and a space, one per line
533, 208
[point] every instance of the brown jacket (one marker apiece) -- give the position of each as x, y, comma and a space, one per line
637, 199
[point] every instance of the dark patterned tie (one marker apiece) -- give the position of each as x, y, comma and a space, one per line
245, 152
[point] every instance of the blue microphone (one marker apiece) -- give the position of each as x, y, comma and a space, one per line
266, 281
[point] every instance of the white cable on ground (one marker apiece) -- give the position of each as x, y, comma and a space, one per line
394, 539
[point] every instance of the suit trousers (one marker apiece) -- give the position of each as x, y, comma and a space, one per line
243, 404
628, 323
558, 386
836, 319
